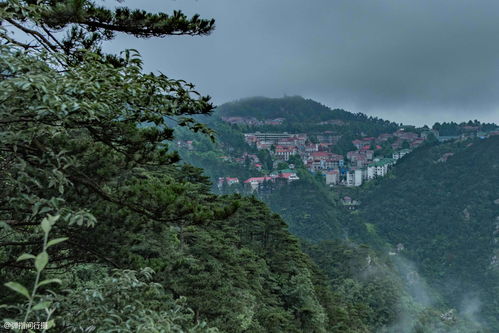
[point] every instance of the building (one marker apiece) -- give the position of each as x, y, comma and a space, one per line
410, 136
357, 143
288, 174
284, 152
255, 182
332, 177
321, 155
227, 180
384, 137
313, 147
354, 178
379, 168
399, 154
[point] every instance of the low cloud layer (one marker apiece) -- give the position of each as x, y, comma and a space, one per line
410, 61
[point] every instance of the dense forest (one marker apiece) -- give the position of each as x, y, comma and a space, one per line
420, 208
305, 116
101, 228
445, 212
108, 224
295, 109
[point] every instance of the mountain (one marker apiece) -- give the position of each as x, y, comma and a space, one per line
429, 224
296, 114
441, 203
293, 109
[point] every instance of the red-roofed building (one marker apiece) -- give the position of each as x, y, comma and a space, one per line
255, 182
290, 176
332, 177
416, 142
406, 135
357, 143
228, 180
284, 152
258, 179
311, 148
321, 155
352, 155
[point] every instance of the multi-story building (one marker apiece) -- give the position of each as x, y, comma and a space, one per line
332, 177
354, 178
379, 168
284, 152
399, 154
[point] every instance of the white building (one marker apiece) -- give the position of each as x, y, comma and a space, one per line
379, 168
332, 177
354, 178
357, 181
399, 154
371, 172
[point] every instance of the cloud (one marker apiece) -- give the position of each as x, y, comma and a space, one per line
410, 61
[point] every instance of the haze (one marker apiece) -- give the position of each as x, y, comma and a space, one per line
415, 62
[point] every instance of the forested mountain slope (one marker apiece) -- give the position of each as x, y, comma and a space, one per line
441, 203
398, 297
101, 229
299, 114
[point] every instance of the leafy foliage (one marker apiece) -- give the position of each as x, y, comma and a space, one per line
125, 299
85, 137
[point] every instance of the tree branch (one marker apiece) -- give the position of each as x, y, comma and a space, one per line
33, 33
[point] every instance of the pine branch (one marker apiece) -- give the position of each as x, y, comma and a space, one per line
34, 33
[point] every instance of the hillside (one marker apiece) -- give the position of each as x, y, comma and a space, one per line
296, 114
396, 218
102, 230
110, 232
293, 109
107, 225
441, 204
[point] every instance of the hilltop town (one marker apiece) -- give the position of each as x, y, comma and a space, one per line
370, 157
315, 155
264, 143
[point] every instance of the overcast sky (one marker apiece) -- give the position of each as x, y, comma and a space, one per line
404, 60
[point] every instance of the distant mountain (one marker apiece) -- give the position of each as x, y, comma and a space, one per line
297, 114
293, 108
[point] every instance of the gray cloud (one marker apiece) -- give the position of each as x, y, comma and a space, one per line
411, 61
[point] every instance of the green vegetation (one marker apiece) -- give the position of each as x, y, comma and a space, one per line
140, 243
403, 208
148, 248
455, 129
444, 213
306, 116
294, 109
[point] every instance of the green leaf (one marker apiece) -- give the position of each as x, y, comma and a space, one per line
25, 256
48, 222
17, 287
41, 261
41, 306
50, 324
56, 241
44, 282
46, 225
